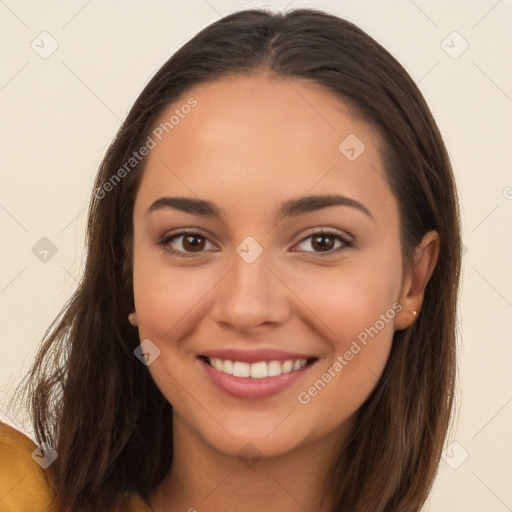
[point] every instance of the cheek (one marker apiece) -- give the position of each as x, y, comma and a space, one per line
164, 297
350, 298
163, 294
357, 306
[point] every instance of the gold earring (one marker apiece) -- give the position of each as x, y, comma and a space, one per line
132, 318
414, 313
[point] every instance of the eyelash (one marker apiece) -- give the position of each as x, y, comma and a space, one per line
165, 241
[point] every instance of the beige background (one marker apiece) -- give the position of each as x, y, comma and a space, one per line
59, 113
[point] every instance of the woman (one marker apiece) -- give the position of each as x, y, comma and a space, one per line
267, 314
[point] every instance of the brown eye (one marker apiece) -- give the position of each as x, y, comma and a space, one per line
193, 243
184, 243
324, 243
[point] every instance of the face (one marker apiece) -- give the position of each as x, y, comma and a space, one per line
294, 263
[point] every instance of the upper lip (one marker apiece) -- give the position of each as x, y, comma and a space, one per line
255, 355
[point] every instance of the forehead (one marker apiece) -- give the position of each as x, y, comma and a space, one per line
262, 112
265, 137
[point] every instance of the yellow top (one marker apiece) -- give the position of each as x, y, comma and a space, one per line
24, 484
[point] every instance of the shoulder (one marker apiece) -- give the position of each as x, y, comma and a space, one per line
24, 484
24, 481
134, 503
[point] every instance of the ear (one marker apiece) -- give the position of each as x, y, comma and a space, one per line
416, 278
132, 318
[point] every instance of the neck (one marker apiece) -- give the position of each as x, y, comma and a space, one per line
203, 479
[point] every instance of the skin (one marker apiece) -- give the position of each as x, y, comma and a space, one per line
250, 144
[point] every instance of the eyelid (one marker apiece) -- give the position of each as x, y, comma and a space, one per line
347, 241
166, 239
186, 231
327, 230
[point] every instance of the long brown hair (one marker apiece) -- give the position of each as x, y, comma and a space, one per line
97, 405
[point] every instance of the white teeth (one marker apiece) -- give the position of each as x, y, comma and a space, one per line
274, 368
257, 370
287, 367
228, 367
241, 369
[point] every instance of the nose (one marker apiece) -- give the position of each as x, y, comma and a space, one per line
250, 296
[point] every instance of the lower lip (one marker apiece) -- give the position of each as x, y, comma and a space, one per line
248, 388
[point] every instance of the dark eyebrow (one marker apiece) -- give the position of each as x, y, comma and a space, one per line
312, 203
187, 205
290, 208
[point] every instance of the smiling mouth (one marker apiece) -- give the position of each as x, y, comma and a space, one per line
257, 370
